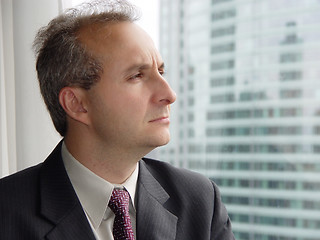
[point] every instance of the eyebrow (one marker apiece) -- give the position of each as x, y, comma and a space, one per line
141, 67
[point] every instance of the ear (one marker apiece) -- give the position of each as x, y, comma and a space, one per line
72, 100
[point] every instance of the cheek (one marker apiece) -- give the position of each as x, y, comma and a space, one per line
135, 109
134, 103
122, 103
128, 109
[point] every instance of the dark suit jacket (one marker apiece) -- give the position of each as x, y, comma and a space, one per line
40, 203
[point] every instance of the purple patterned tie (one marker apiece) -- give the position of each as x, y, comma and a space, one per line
119, 204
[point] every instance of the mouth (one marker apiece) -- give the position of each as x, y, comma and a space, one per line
164, 119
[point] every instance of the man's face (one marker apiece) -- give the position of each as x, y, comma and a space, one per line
129, 107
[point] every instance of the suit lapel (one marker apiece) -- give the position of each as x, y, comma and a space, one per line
59, 202
60, 205
154, 221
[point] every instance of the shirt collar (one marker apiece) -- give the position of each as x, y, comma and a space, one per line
93, 191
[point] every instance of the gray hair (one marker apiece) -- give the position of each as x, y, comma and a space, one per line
62, 60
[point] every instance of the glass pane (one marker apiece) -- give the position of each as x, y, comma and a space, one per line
247, 116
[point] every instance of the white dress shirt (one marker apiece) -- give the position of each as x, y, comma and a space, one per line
94, 194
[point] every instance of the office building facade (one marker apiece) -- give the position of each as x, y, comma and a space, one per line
247, 76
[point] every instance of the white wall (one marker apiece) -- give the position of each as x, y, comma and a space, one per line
26, 127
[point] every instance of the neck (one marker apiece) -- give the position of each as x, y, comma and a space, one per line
111, 163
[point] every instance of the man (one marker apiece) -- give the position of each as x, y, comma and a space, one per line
102, 81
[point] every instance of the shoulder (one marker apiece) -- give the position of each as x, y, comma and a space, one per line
32, 173
21, 176
26, 183
19, 195
20, 182
194, 199
179, 179
166, 170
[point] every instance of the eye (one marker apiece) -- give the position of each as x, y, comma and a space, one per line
162, 72
136, 76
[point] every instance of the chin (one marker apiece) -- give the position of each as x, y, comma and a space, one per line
164, 143
159, 140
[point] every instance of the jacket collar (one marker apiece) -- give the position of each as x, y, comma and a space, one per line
154, 220
59, 202
60, 205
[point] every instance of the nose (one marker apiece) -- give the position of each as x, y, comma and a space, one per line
163, 92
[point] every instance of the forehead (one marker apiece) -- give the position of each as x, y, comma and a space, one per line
119, 41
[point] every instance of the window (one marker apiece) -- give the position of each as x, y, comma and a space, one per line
217, 16
292, 93
290, 57
222, 81
256, 127
251, 96
290, 75
221, 65
222, 48
221, 32
228, 97
220, 1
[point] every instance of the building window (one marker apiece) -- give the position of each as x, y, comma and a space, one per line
222, 32
252, 96
290, 75
223, 98
190, 101
290, 57
222, 48
222, 81
217, 16
290, 93
221, 65
219, 1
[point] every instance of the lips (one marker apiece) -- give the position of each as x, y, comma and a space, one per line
161, 119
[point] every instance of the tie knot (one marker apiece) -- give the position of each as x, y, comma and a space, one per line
119, 201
